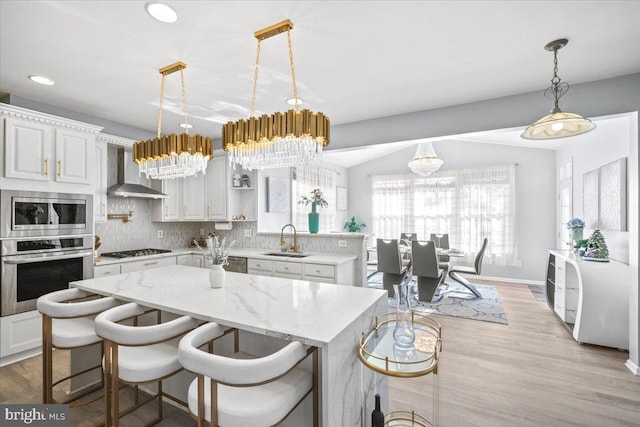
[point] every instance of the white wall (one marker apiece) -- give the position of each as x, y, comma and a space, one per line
535, 195
608, 142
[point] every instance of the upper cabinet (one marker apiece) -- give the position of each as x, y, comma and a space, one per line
186, 201
216, 199
46, 153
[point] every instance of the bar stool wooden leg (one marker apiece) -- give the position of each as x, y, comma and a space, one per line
115, 389
47, 360
107, 382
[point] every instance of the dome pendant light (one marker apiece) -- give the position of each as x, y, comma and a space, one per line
558, 124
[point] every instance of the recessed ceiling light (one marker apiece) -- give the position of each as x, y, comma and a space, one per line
161, 12
42, 80
185, 125
292, 101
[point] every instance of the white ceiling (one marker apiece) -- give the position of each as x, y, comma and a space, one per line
354, 60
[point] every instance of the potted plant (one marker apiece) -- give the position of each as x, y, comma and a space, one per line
353, 226
576, 225
316, 199
581, 246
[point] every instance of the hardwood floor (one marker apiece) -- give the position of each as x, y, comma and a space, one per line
527, 373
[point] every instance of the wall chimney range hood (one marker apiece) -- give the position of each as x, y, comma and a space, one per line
130, 189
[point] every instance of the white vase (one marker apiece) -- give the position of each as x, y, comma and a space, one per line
216, 276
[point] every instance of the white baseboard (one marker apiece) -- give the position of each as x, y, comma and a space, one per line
635, 369
13, 358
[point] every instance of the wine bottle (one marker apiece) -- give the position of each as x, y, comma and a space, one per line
377, 417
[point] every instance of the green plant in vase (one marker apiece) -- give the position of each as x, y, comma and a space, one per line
316, 199
353, 226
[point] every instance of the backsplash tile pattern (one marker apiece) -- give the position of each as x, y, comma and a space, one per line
141, 233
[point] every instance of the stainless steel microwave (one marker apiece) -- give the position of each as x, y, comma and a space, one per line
35, 214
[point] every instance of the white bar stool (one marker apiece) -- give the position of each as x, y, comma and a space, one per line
68, 322
138, 354
241, 392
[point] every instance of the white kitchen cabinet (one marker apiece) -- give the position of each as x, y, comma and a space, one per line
319, 273
259, 266
242, 200
185, 201
216, 190
287, 270
106, 270
20, 336
100, 183
192, 260
47, 153
147, 264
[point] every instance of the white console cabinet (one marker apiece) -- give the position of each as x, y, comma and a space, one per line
591, 298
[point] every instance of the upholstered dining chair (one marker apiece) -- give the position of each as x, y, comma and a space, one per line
475, 269
243, 390
408, 236
391, 264
426, 269
442, 242
138, 354
68, 322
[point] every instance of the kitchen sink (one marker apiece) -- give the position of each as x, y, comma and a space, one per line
287, 254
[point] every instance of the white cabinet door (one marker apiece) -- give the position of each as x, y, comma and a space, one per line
100, 181
74, 156
171, 206
20, 332
216, 190
106, 270
185, 260
288, 270
198, 261
193, 197
28, 150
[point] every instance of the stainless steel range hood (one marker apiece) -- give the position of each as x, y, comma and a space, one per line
130, 189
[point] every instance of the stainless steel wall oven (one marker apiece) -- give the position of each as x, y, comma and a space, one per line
46, 242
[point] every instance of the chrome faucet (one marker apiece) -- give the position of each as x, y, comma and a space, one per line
295, 239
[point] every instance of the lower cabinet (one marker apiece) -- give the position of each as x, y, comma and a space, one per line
128, 267
192, 260
327, 273
260, 267
106, 270
287, 270
20, 336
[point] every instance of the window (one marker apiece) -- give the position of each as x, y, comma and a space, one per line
305, 179
468, 204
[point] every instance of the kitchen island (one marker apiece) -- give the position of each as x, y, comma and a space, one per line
330, 317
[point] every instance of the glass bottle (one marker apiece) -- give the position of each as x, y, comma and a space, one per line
377, 417
403, 333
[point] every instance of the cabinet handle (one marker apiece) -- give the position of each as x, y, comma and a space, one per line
102, 208
166, 210
46, 166
150, 263
107, 272
208, 211
184, 211
59, 167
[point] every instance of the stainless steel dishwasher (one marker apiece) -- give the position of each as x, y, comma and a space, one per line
237, 264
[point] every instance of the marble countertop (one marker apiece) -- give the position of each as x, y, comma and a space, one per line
313, 257
312, 312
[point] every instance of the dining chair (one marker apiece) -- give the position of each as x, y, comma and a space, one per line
425, 268
67, 323
242, 390
408, 236
391, 264
442, 242
137, 355
476, 269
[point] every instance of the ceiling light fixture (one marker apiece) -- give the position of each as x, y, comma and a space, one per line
174, 155
558, 124
42, 80
281, 139
161, 12
294, 101
426, 161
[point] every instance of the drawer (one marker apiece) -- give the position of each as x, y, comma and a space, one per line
288, 268
320, 270
259, 265
184, 260
106, 270
128, 267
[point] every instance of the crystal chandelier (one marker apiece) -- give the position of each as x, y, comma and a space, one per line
426, 161
558, 124
173, 156
278, 140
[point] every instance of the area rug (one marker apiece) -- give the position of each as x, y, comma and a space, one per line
538, 292
455, 301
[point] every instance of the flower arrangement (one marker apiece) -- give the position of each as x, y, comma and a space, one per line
575, 223
353, 226
317, 198
215, 251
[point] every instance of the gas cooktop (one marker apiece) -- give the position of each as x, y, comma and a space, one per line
136, 252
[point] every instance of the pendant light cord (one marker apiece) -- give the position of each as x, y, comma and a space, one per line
255, 82
293, 71
184, 103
